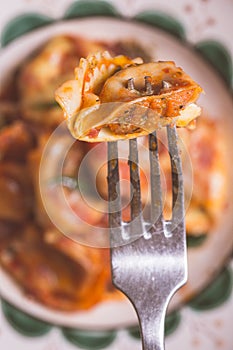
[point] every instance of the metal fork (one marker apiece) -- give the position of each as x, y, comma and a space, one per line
148, 259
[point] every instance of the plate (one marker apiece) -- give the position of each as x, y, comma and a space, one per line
205, 261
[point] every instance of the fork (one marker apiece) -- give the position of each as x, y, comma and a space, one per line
148, 259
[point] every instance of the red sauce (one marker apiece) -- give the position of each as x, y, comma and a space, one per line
93, 133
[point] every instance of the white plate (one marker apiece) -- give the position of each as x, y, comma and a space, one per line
204, 262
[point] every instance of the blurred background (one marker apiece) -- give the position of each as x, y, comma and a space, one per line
60, 296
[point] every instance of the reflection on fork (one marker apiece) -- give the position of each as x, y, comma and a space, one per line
148, 258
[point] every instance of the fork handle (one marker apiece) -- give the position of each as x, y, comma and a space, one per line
152, 321
152, 332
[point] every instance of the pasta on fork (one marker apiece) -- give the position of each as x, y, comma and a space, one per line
114, 98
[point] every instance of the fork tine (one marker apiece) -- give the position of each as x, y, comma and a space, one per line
148, 86
156, 191
130, 84
135, 204
114, 199
177, 178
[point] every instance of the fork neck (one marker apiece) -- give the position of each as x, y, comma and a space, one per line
152, 330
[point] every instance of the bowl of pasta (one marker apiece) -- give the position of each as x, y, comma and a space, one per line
54, 259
